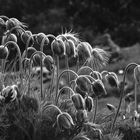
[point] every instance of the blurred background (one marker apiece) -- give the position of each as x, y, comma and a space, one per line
90, 18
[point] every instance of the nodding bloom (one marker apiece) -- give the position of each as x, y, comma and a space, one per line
48, 63
40, 37
58, 47
81, 116
70, 49
25, 36
81, 92
112, 79
3, 52
78, 101
10, 93
137, 74
88, 103
64, 121
30, 51
83, 83
36, 60
111, 107
98, 88
98, 59
83, 51
10, 37
13, 22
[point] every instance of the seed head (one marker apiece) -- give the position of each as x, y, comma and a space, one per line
98, 88
48, 63
78, 101
64, 121
83, 83
88, 103
58, 47
3, 52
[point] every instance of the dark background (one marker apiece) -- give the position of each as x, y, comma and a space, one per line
90, 18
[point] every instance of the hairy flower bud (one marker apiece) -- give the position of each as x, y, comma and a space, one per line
3, 52
58, 47
64, 121
48, 62
112, 79
81, 92
69, 48
81, 116
25, 36
40, 37
78, 101
88, 103
36, 60
83, 83
98, 88
11, 37
30, 51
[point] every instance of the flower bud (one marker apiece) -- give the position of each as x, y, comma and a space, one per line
88, 103
78, 101
36, 60
11, 37
30, 51
137, 74
111, 107
9, 93
40, 37
58, 47
112, 79
64, 121
81, 116
25, 36
48, 62
3, 52
50, 112
69, 48
98, 88
81, 92
83, 83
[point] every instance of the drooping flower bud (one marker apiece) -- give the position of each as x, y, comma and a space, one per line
3, 52
88, 103
137, 74
30, 51
25, 36
40, 37
81, 116
69, 48
81, 92
78, 101
64, 121
50, 112
98, 88
83, 83
111, 107
9, 93
36, 60
11, 37
112, 79
48, 62
58, 47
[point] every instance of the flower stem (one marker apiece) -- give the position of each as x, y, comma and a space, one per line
95, 110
